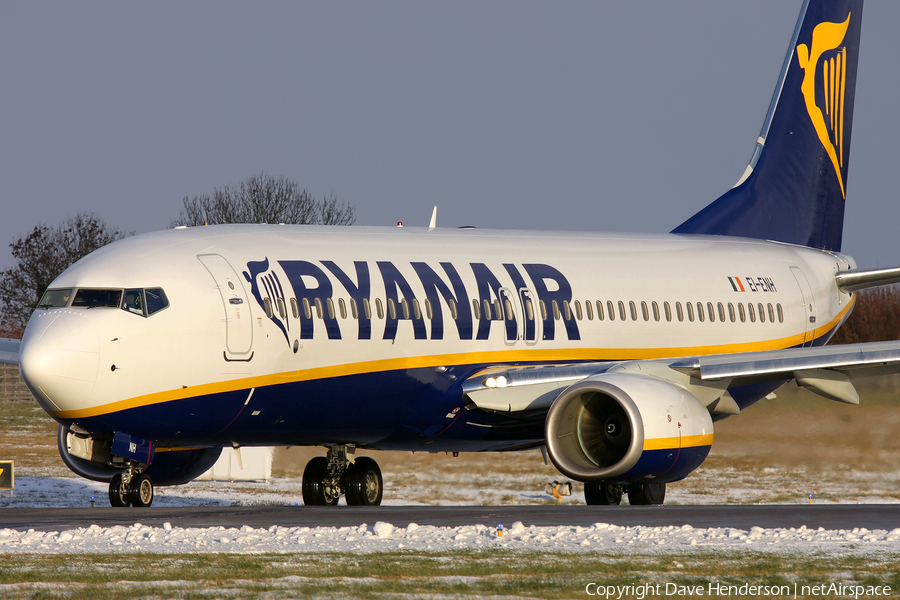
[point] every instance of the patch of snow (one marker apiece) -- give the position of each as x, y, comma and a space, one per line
385, 537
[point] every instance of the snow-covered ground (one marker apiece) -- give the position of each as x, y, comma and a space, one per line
385, 537
380, 536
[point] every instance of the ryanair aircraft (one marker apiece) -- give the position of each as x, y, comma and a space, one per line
615, 353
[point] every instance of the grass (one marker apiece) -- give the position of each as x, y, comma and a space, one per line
500, 573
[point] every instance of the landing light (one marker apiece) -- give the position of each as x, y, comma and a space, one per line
495, 382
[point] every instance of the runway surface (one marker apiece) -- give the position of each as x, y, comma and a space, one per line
836, 516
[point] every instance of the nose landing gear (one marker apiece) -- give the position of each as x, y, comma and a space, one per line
327, 477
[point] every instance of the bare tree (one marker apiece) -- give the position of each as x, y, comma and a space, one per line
874, 318
41, 256
264, 199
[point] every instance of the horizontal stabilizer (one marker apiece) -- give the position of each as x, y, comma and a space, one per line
852, 281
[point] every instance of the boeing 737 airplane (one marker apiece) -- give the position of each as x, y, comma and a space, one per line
616, 353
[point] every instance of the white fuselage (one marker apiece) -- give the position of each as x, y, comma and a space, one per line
235, 324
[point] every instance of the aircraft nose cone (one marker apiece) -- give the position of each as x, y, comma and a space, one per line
59, 358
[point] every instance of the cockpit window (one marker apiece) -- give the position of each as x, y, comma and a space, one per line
97, 298
55, 298
144, 302
156, 300
133, 302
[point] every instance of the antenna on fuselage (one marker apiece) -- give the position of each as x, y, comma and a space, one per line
433, 222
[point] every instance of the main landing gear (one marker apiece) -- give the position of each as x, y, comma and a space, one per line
131, 488
638, 493
327, 477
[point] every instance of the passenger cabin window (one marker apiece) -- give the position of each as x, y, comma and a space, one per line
342, 307
633, 310
267, 303
392, 308
97, 299
644, 311
610, 310
529, 309
710, 312
655, 311
679, 312
453, 310
762, 313
307, 310
622, 311
589, 309
282, 310
700, 311
668, 310
752, 313
780, 313
354, 308
379, 308
741, 312
509, 309
404, 306
578, 313
731, 312
429, 314
567, 310
295, 308
722, 312
599, 310
690, 311
498, 310
477, 310
55, 298
771, 314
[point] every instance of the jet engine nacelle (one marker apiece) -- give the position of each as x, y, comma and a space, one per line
89, 457
623, 428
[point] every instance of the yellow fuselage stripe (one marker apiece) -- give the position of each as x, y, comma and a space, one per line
464, 358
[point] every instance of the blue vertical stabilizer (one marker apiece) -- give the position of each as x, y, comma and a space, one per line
795, 185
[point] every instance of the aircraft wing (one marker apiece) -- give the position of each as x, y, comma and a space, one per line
826, 370
9, 351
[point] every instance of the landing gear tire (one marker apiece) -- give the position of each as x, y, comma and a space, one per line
602, 494
363, 483
118, 492
315, 491
140, 491
646, 493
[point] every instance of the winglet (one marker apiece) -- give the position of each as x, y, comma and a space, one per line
9, 351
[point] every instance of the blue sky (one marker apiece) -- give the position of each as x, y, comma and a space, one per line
601, 116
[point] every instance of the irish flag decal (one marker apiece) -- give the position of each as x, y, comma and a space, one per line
736, 284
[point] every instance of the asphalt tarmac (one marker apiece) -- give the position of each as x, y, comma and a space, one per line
834, 516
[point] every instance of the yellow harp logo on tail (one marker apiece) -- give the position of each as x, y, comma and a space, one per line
828, 120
